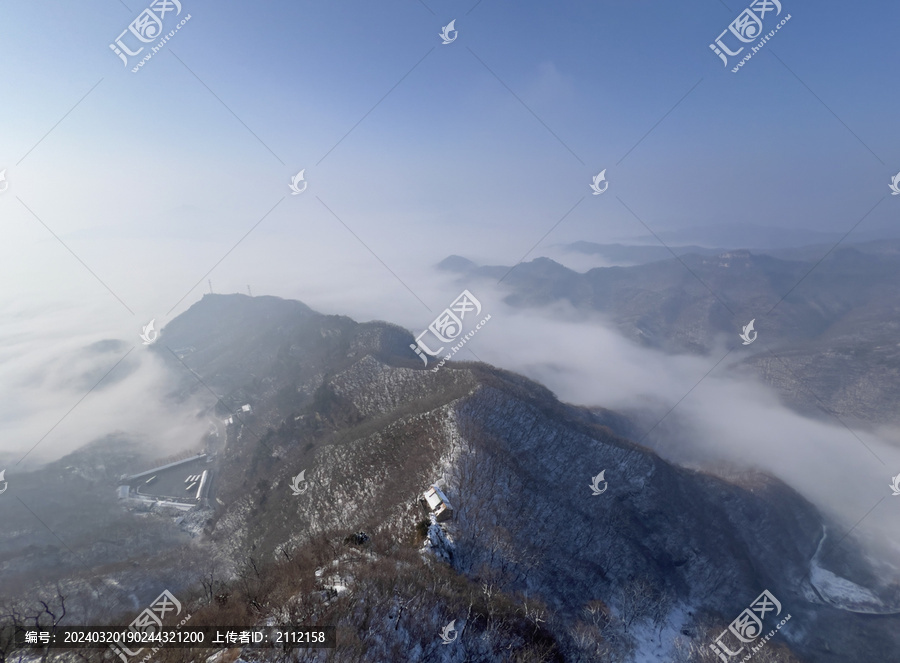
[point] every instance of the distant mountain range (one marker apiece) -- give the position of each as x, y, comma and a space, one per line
638, 254
652, 563
828, 323
763, 238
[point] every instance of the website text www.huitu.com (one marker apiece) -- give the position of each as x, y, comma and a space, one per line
762, 42
762, 643
160, 44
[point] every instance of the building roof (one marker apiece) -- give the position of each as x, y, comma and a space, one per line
435, 498
432, 499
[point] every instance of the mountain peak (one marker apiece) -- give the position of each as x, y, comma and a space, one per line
455, 263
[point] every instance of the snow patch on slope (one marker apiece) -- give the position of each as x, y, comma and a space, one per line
654, 643
842, 593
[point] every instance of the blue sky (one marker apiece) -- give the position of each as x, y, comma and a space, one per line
157, 170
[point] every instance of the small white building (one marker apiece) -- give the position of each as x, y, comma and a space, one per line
437, 503
247, 409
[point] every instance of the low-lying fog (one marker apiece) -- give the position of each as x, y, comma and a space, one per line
52, 353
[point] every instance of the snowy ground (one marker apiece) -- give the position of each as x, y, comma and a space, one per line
655, 644
842, 593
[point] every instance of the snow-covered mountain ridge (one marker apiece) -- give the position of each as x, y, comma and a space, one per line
663, 549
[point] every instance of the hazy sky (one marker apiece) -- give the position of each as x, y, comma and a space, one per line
478, 147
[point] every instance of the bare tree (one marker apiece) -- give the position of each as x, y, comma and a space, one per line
16, 619
638, 600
